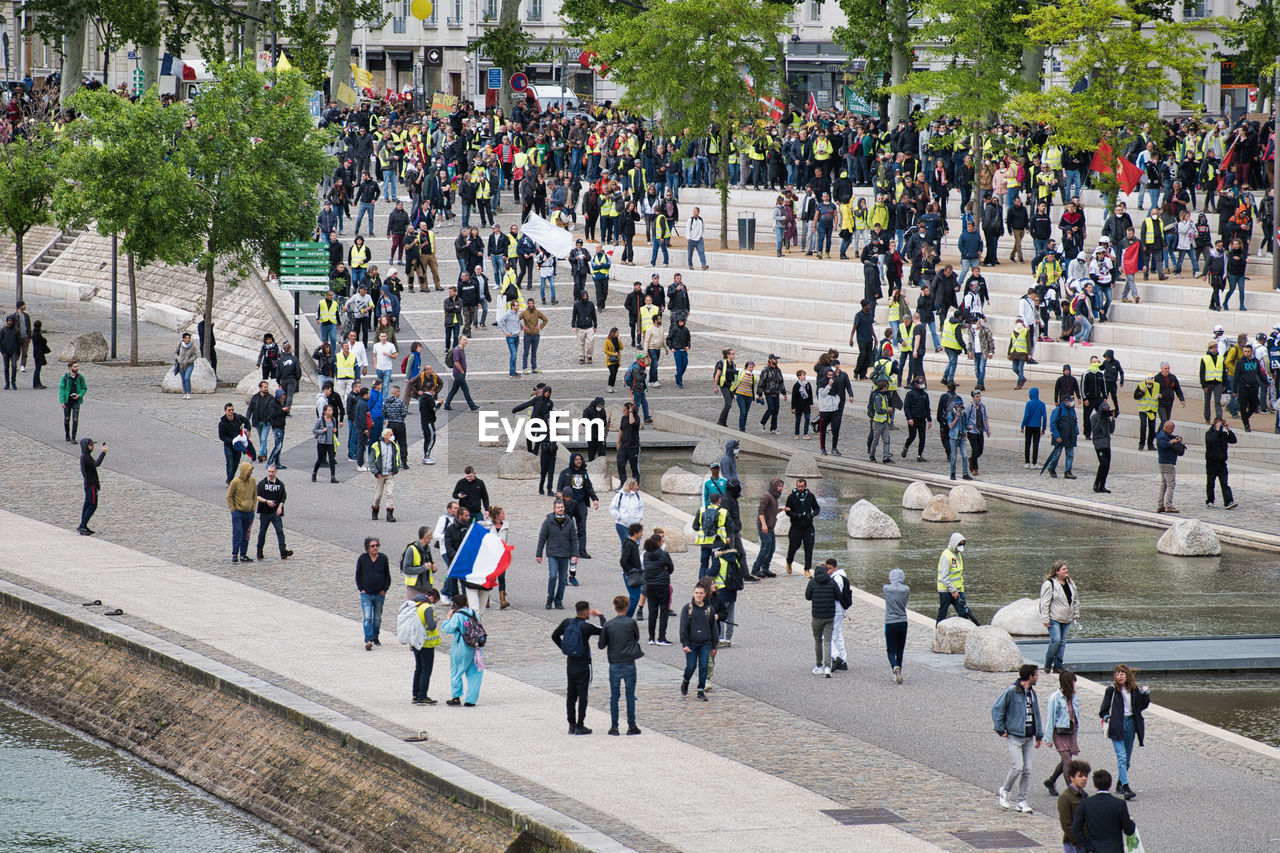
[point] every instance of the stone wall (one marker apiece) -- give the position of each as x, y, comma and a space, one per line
286, 769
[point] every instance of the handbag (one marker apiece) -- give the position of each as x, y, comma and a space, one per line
635, 577
1133, 843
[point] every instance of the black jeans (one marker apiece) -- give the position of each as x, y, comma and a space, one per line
11, 370
659, 598
272, 520
1216, 471
864, 359
71, 423
424, 661
945, 601
795, 540
324, 456
895, 641
1104, 467
727, 393
1031, 445
976, 441
917, 429
628, 455
575, 701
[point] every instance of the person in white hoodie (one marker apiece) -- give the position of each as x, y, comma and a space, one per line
695, 231
1059, 609
843, 595
627, 508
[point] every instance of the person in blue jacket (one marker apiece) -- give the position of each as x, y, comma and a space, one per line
1035, 421
1065, 430
463, 659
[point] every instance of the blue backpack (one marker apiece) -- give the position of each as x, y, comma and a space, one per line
573, 643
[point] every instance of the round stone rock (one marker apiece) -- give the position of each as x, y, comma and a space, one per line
85, 347
939, 509
949, 635
803, 464
518, 465
991, 649
708, 450
916, 495
967, 499
867, 521
1189, 538
678, 481
1021, 618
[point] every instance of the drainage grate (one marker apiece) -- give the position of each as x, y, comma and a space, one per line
995, 840
858, 817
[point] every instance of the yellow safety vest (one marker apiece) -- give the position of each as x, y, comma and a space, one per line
702, 538
1149, 402
418, 560
1213, 366
511, 244
347, 365
328, 311
949, 340
880, 407
724, 372
950, 568
359, 257
895, 310
661, 227
1018, 341
888, 371
433, 636
647, 313
905, 330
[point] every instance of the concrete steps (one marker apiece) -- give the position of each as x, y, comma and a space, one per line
37, 238
51, 252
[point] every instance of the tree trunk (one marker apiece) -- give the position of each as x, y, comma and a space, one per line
342, 50
252, 38
17, 247
508, 15
899, 59
133, 315
150, 65
722, 184
73, 53
207, 349
1033, 66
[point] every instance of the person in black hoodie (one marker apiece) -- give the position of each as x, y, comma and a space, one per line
821, 593
698, 634
577, 649
89, 472
1216, 440
802, 508
595, 413
539, 405
657, 588
472, 493
575, 482
916, 409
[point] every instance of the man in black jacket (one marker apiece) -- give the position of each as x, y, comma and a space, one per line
1017, 219
373, 579
801, 508
288, 374
454, 533
229, 427
633, 303
621, 641
472, 493
264, 411
497, 246
992, 229
584, 324
573, 637
1102, 821
271, 498
89, 473
677, 300
916, 408
579, 266
1216, 440
821, 592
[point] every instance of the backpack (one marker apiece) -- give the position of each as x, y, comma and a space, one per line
473, 633
448, 358
572, 643
846, 595
709, 522
881, 371
409, 628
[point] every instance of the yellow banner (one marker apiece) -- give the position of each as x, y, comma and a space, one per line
442, 104
363, 78
346, 95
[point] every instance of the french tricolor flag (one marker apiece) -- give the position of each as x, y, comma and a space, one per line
482, 557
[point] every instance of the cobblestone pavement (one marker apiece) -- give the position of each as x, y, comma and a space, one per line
923, 750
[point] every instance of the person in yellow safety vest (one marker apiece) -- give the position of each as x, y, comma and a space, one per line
880, 409
327, 317
951, 580
661, 239
1148, 396
952, 345
600, 264
880, 213
1050, 269
348, 366
648, 311
709, 527
416, 564
422, 608
1046, 183
1212, 365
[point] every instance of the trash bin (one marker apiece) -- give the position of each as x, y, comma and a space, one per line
746, 230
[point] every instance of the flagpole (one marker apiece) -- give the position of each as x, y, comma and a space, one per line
1275, 178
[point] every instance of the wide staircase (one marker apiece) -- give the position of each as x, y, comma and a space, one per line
52, 252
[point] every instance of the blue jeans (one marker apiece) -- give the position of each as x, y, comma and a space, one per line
389, 184
186, 378
1183, 254
357, 276
361, 209
1087, 333
1102, 298
460, 384
1153, 196
641, 401
688, 173
1058, 450
329, 334
1019, 370
1124, 751
824, 238
371, 610
530, 351
953, 355
958, 455
698, 656
557, 577
1233, 282
682, 364
744, 406
768, 542
1057, 644
778, 231
733, 171
385, 376
1040, 246
233, 460
770, 419
697, 246
277, 442
513, 347
1071, 184
659, 243
979, 368
932, 326
673, 184
622, 674
542, 288
499, 267
241, 526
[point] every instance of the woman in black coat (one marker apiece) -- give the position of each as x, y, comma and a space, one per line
1121, 712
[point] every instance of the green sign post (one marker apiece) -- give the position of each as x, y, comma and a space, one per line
303, 266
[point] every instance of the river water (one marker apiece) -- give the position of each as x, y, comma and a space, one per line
64, 793
1127, 589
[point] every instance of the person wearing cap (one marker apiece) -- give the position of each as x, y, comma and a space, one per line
1065, 430
880, 411
384, 462
600, 265
709, 525
1212, 373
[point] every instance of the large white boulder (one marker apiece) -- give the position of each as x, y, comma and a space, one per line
677, 537
248, 386
602, 476
939, 509
803, 464
949, 635
1021, 618
867, 521
991, 649
967, 499
518, 465
203, 380
708, 450
85, 347
916, 495
678, 481
1190, 537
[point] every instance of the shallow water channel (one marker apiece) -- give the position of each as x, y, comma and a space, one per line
1127, 589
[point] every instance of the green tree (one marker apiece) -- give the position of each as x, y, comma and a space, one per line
685, 60
1130, 62
66, 23
341, 16
985, 50
28, 174
122, 174
509, 46
1254, 35
880, 32
255, 159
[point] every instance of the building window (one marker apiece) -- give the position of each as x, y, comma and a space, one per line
535, 10
491, 10
1195, 9
457, 9
815, 11
398, 25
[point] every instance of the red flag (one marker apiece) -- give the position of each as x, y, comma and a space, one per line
590, 59
1226, 164
1130, 260
1129, 175
813, 107
1102, 159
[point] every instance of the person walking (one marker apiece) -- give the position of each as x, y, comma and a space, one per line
1065, 431
1064, 721
1121, 712
558, 537
951, 580
230, 427
466, 661
1035, 421
1212, 366
271, 497
39, 351
698, 634
821, 592
632, 565
627, 508
384, 462
1148, 397
573, 637
1059, 609
242, 498
419, 613
801, 508
658, 569
1102, 821
1216, 440
766, 524
325, 431
895, 594
71, 391
1168, 448
620, 639
457, 360
373, 579
978, 428
1069, 800
1016, 718
1104, 424
89, 474
957, 430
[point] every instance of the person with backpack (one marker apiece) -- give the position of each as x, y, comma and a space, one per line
709, 523
698, 634
844, 601
620, 639
637, 380
573, 637
466, 660
417, 627
726, 582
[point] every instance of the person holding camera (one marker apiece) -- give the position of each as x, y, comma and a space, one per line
89, 471
71, 391
1168, 448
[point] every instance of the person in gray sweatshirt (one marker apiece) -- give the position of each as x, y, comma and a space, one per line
895, 594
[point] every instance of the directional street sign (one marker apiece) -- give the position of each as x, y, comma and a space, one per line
304, 266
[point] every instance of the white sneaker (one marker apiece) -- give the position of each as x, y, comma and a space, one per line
186, 396
826, 670
361, 468
23, 369
897, 674
1004, 799
655, 384
817, 670
1023, 807
428, 461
